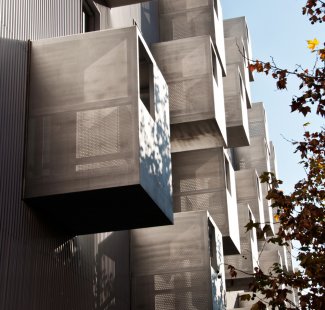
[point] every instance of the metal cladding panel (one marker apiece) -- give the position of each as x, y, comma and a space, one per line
237, 27
38, 19
248, 259
154, 140
248, 189
236, 108
236, 54
41, 268
82, 127
188, 66
258, 125
185, 18
171, 265
83, 133
200, 183
257, 156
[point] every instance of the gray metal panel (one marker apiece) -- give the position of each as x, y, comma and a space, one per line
37, 19
248, 259
90, 134
248, 189
236, 108
82, 131
199, 183
237, 27
171, 265
185, 18
235, 52
195, 93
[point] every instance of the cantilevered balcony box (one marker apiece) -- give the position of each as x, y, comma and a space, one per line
235, 51
235, 106
187, 18
205, 180
257, 156
249, 191
248, 259
98, 151
179, 266
258, 124
194, 79
237, 27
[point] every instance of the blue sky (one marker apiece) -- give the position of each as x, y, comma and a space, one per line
278, 29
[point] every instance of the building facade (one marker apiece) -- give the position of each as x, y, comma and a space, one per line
130, 151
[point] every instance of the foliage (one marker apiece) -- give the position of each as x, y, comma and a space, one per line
300, 215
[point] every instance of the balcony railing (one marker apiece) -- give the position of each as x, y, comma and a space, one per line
98, 151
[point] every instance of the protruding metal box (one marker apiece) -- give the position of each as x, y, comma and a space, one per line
236, 107
187, 18
204, 180
194, 79
235, 55
237, 27
178, 266
249, 191
257, 155
98, 145
248, 259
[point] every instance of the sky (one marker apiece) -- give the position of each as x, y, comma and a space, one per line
279, 30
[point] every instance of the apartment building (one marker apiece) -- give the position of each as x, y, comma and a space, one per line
130, 155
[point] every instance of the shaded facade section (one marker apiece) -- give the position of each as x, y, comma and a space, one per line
194, 79
205, 180
98, 133
180, 266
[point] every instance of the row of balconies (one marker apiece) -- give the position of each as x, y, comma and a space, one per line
121, 136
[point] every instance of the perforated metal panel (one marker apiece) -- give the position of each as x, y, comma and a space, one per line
236, 55
237, 27
193, 74
200, 183
236, 108
98, 120
185, 18
171, 265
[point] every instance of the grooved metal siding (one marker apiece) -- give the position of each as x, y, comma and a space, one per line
42, 269
38, 19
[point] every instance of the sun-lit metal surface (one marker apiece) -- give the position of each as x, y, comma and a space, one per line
193, 75
257, 155
117, 3
204, 180
236, 107
179, 266
249, 191
237, 27
186, 18
98, 126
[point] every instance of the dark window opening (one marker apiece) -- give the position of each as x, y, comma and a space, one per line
146, 79
215, 4
90, 16
241, 86
227, 175
213, 247
214, 65
258, 188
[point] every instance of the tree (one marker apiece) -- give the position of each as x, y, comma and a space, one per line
300, 215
